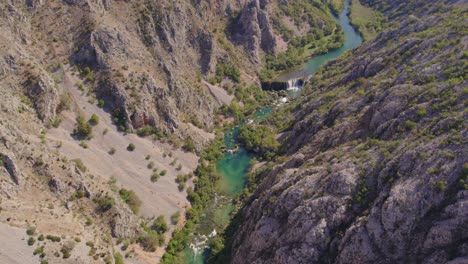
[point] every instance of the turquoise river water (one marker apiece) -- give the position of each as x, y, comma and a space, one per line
234, 166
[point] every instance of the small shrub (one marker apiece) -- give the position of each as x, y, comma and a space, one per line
84, 145
175, 218
125, 245
104, 203
38, 250
94, 120
181, 186
440, 185
100, 103
146, 131
149, 242
189, 145
151, 165
148, 157
105, 131
64, 103
111, 151
160, 225
118, 258
131, 147
179, 167
31, 241
56, 123
409, 125
421, 112
53, 238
77, 195
130, 198
83, 129
41, 237
67, 249
154, 177
31, 230
80, 165
182, 178
89, 221
163, 172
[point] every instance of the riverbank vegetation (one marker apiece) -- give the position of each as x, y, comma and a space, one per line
260, 139
207, 184
249, 100
316, 42
206, 187
367, 21
336, 6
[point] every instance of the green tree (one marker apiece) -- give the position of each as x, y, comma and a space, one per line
83, 129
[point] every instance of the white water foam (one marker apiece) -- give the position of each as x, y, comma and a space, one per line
295, 84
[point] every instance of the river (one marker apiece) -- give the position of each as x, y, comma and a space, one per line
352, 40
234, 166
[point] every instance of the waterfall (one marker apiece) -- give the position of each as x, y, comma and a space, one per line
295, 84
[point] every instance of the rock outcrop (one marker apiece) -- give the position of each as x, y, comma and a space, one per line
41, 91
254, 29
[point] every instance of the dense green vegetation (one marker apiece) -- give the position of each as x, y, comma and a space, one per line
204, 193
259, 138
119, 119
83, 128
251, 97
160, 225
226, 70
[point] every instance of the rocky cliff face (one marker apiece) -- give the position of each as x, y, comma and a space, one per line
146, 59
376, 163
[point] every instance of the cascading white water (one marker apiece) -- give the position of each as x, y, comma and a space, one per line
295, 84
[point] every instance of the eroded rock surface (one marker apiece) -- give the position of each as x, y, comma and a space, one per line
381, 135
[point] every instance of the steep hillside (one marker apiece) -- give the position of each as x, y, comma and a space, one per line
374, 154
98, 98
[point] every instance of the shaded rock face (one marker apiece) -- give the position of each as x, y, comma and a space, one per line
171, 48
376, 164
11, 168
41, 90
254, 29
